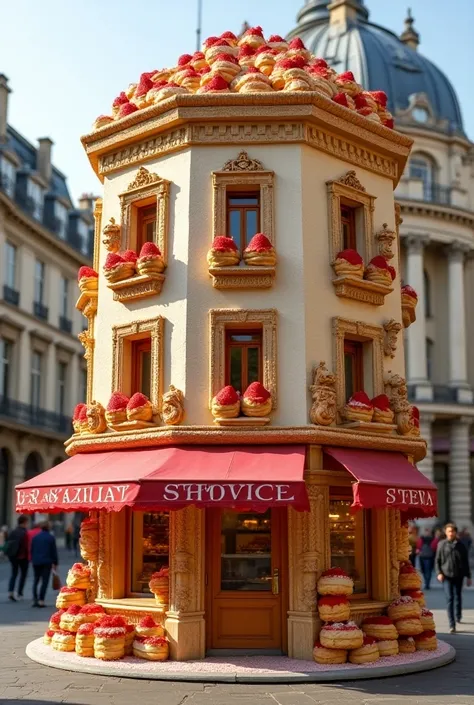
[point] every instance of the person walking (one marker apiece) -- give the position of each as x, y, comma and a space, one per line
452, 566
16, 550
44, 556
426, 550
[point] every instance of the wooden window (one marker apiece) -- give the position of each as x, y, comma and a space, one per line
243, 358
349, 540
348, 225
149, 548
146, 224
353, 367
141, 367
243, 216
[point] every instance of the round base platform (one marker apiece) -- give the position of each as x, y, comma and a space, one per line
243, 669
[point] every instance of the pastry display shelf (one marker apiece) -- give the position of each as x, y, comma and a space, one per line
245, 530
138, 287
246, 555
243, 277
361, 290
385, 429
243, 421
87, 303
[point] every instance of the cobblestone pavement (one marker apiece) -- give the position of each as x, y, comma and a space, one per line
21, 680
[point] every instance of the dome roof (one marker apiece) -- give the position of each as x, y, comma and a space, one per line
380, 60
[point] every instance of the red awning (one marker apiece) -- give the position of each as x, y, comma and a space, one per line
385, 480
250, 477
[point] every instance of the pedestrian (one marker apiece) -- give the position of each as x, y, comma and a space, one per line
426, 551
44, 556
452, 566
31, 534
16, 551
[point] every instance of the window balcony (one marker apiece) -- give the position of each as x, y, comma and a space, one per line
418, 190
442, 394
34, 417
7, 185
40, 310
11, 296
65, 324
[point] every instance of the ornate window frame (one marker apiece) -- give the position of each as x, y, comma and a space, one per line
128, 332
367, 333
222, 318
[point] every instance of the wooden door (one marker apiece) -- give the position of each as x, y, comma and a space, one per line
246, 583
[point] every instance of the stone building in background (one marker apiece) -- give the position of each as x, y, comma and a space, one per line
43, 241
436, 196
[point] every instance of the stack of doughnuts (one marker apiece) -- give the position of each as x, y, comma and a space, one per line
341, 636
406, 645
152, 648
91, 613
427, 620
426, 641
85, 640
68, 596
338, 634
384, 631
79, 576
147, 627
63, 641
48, 636
55, 620
417, 595
367, 653
334, 608
109, 639
71, 619
406, 614
409, 578
335, 581
325, 656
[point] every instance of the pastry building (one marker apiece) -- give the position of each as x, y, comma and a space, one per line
246, 422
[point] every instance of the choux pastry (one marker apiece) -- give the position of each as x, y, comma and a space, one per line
335, 581
325, 656
367, 653
341, 636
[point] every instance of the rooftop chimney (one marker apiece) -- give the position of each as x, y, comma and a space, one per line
87, 201
4, 91
345, 12
43, 158
410, 36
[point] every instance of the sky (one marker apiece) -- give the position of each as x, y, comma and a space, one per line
66, 61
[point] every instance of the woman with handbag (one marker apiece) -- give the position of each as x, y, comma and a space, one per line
44, 556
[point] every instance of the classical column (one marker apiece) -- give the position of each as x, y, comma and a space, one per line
457, 322
426, 465
416, 334
50, 379
460, 472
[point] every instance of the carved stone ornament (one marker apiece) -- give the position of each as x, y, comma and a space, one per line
111, 235
392, 328
172, 410
350, 179
87, 342
323, 390
385, 239
143, 178
243, 163
397, 392
96, 422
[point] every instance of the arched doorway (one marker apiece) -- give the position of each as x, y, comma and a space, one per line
5, 469
33, 465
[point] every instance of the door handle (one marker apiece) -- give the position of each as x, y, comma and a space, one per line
276, 581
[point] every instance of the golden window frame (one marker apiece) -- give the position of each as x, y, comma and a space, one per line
146, 185
366, 333
221, 319
350, 189
121, 356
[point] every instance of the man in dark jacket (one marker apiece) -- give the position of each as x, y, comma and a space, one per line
452, 566
16, 549
44, 556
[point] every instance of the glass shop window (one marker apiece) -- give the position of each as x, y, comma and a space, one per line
149, 547
243, 217
141, 367
353, 367
243, 358
349, 542
145, 223
348, 225
246, 551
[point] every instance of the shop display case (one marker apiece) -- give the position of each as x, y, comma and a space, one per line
150, 548
246, 545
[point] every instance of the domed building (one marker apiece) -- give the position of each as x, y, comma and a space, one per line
436, 197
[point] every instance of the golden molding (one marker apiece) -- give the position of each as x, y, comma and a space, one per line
87, 304
97, 228
349, 190
392, 328
112, 236
143, 178
323, 391
221, 319
350, 179
137, 287
243, 163
361, 290
87, 341
244, 277
385, 238
270, 435
243, 421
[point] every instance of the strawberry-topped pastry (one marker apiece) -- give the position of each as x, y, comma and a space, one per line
334, 608
69, 596
130, 634
406, 645
71, 619
223, 252
404, 608
382, 410
141, 92
82, 419
426, 641
55, 620
381, 628
63, 641
76, 424
154, 648
345, 100
198, 61
48, 636
91, 613
409, 578
147, 627
162, 75
160, 585
358, 408
121, 99
265, 59
335, 581
427, 620
116, 411
325, 656
246, 56
126, 109
256, 400
79, 576
226, 403
85, 640
283, 64
150, 259
378, 272
217, 84
139, 408
167, 91
190, 79
348, 84
260, 252
409, 303
321, 81
205, 75
416, 595
297, 48
253, 37
88, 279
277, 43
364, 106
381, 100
102, 121
226, 66
295, 76
323, 64
209, 42
252, 81
230, 37
116, 268
220, 48
387, 647
349, 263
341, 635
367, 653
109, 638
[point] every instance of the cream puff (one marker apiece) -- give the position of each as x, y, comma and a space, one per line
160, 585
55, 620
402, 608
89, 539
147, 627
69, 596
71, 619
140, 97
296, 79
190, 79
116, 269
126, 109
367, 653
217, 84
230, 37
109, 643
252, 81
427, 620
320, 81
256, 400
388, 647
426, 641
220, 48
139, 408
87, 279
409, 304
223, 252
76, 423
416, 595
345, 100
121, 99
348, 84
48, 636
226, 403
198, 61
63, 641
116, 411
409, 626
79, 576
381, 99
335, 581
334, 608
364, 107
341, 635
85, 640
381, 628
154, 648
260, 252
91, 613
102, 121
246, 57
277, 43
382, 410
407, 645
130, 634
226, 66
252, 37
265, 59
358, 408
167, 91
378, 272
296, 47
150, 260
409, 578
325, 656
348, 263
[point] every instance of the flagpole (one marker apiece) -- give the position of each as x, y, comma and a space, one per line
199, 26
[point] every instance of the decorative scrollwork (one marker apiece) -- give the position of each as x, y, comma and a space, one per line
350, 179
392, 328
172, 410
385, 239
243, 163
143, 178
324, 408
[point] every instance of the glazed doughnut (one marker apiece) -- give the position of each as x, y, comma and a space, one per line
403, 607
71, 619
325, 656
366, 653
427, 620
334, 608
153, 648
147, 627
426, 641
380, 628
63, 641
335, 582
79, 576
129, 638
48, 635
409, 578
409, 626
85, 640
388, 647
91, 613
341, 636
416, 595
407, 646
68, 596
54, 621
